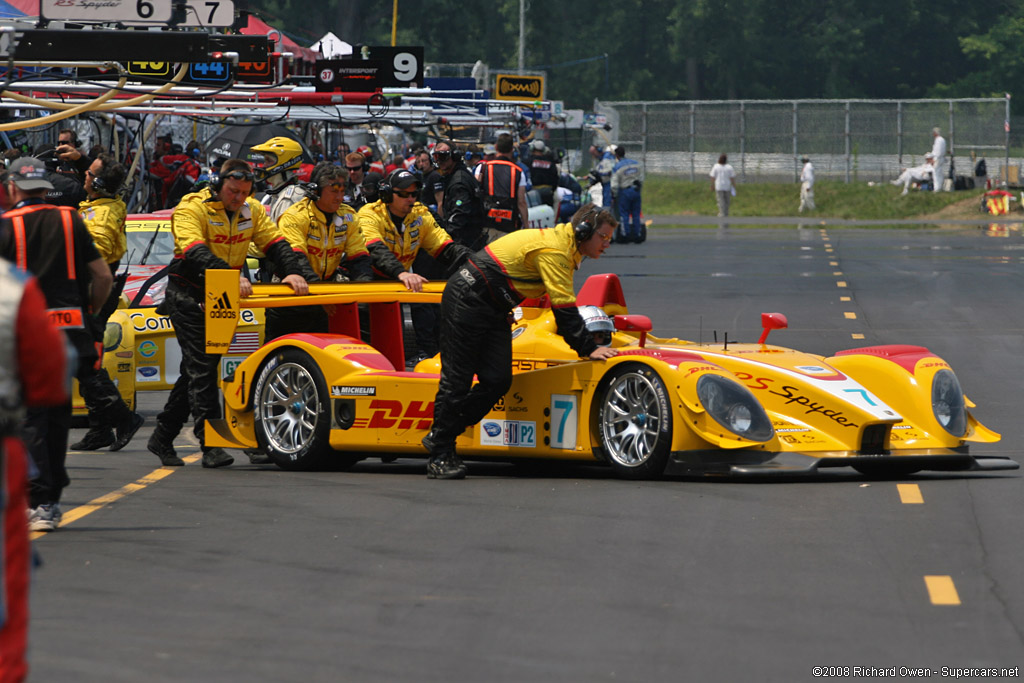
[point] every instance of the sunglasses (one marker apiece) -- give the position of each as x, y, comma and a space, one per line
239, 175
337, 187
406, 194
441, 155
353, 169
605, 238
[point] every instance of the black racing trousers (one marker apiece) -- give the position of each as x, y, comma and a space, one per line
476, 338
196, 390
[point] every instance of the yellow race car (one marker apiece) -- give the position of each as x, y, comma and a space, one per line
660, 405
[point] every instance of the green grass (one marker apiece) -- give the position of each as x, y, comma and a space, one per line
665, 195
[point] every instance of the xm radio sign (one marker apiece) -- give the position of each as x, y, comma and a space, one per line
516, 87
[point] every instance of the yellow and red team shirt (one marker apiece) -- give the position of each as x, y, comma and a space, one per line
420, 231
197, 220
105, 219
325, 245
538, 261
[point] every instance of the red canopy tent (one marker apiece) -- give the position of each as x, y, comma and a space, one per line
305, 57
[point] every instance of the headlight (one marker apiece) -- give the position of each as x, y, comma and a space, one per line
112, 336
734, 407
948, 403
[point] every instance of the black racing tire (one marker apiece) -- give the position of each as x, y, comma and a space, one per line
633, 419
292, 411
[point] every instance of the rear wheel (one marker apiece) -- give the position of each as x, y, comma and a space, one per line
293, 412
635, 422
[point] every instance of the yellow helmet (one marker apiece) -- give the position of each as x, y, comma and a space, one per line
280, 156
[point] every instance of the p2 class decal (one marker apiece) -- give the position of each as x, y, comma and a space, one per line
564, 411
508, 433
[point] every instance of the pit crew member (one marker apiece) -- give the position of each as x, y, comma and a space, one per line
326, 230
627, 179
476, 338
212, 228
103, 213
461, 208
503, 184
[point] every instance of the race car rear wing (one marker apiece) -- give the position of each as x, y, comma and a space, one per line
223, 303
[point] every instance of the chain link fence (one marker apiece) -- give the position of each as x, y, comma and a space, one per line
848, 140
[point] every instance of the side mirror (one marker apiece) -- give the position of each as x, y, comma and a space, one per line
634, 323
772, 321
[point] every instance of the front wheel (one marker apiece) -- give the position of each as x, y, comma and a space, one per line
634, 417
293, 411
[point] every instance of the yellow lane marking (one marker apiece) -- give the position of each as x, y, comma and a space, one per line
845, 298
106, 499
856, 336
833, 263
840, 284
941, 590
829, 250
838, 272
850, 316
910, 493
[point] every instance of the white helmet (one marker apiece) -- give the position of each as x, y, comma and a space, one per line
598, 324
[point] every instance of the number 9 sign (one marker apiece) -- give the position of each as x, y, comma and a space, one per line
406, 66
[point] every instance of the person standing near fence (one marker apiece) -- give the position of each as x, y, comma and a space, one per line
939, 154
806, 186
723, 182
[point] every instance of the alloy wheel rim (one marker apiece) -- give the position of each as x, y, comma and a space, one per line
630, 420
287, 406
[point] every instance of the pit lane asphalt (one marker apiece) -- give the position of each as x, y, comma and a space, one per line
566, 574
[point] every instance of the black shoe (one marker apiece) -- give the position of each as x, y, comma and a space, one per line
126, 431
168, 456
446, 466
216, 457
257, 457
94, 440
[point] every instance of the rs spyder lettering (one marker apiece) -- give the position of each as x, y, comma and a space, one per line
789, 393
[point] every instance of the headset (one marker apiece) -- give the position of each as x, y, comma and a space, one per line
75, 142
238, 173
386, 187
315, 185
584, 230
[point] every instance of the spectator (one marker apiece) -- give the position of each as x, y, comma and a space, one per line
806, 186
918, 174
433, 183
71, 161
66, 188
938, 158
723, 183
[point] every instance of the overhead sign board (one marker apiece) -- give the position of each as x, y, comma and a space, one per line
402, 65
517, 87
353, 75
120, 11
205, 13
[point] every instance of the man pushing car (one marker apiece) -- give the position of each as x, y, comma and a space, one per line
476, 337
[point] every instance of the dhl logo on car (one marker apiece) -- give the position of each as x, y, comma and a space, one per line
396, 415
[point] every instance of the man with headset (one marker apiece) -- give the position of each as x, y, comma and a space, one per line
397, 226
476, 337
212, 228
104, 213
461, 208
324, 229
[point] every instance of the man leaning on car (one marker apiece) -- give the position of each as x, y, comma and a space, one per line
212, 228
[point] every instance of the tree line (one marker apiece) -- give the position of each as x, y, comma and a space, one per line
700, 49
